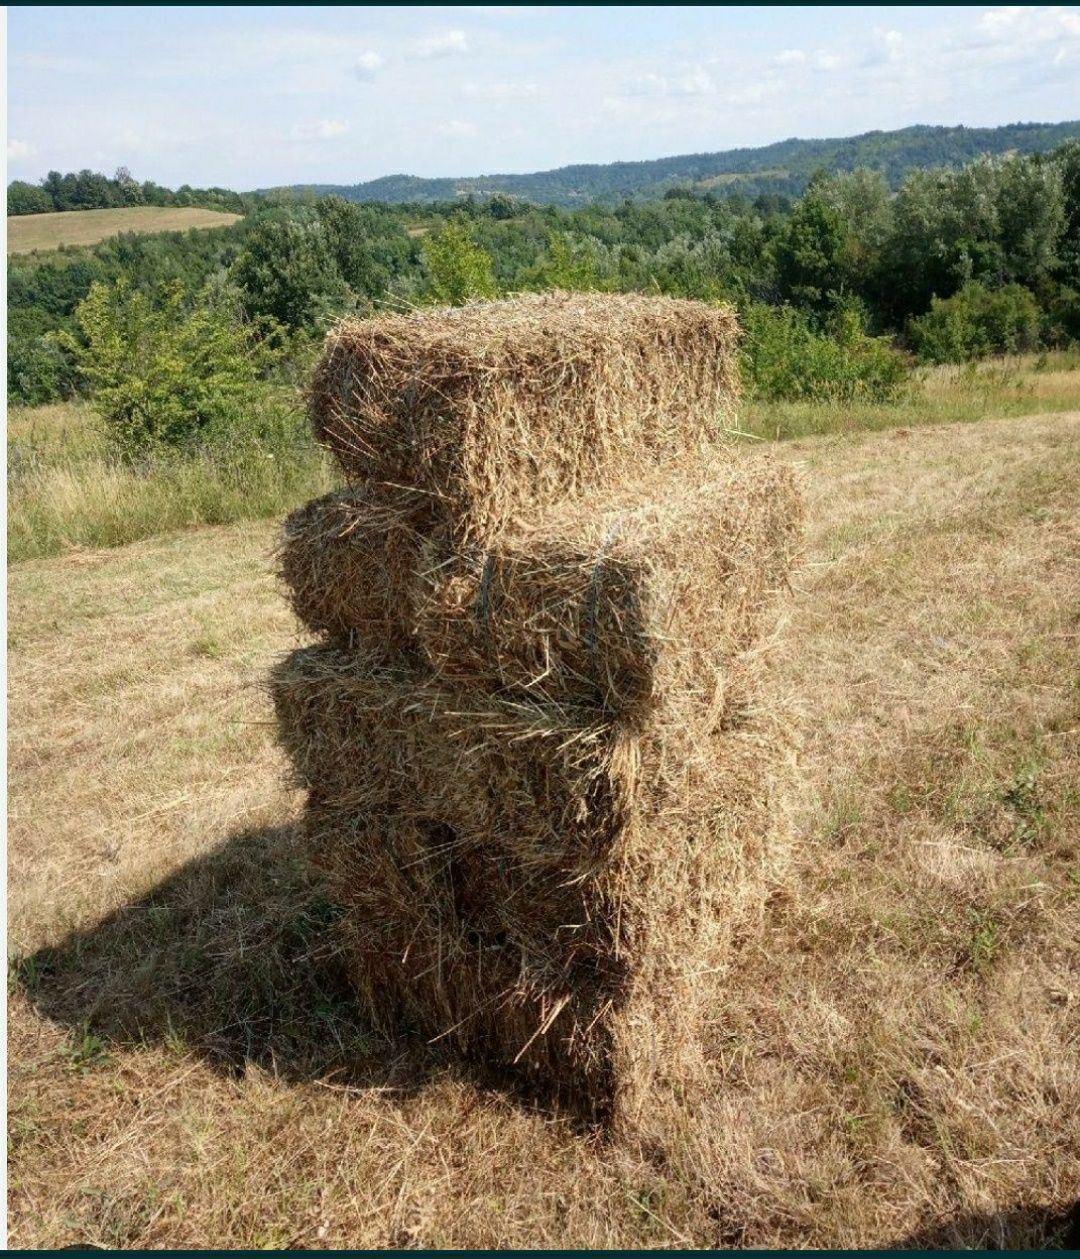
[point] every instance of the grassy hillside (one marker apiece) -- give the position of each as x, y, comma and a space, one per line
29, 232
897, 1062
785, 167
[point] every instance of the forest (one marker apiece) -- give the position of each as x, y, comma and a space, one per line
841, 290
785, 167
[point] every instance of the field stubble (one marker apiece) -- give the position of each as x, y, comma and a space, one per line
898, 1060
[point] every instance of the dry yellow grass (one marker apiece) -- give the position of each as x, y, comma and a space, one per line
27, 232
901, 1062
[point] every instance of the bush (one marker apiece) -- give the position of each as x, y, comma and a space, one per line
173, 374
976, 322
786, 359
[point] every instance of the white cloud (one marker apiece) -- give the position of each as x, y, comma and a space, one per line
790, 57
499, 91
647, 85
454, 129
447, 44
1032, 24
826, 59
693, 82
19, 150
367, 66
323, 129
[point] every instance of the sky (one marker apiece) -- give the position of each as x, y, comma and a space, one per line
256, 97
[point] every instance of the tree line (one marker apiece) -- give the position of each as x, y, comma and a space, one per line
784, 167
90, 190
840, 289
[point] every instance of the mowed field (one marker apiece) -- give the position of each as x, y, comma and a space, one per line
27, 232
897, 1061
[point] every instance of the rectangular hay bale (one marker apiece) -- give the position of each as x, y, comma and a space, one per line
497, 409
550, 894
616, 601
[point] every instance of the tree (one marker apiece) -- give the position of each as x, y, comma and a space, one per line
288, 272
458, 270
502, 206
809, 254
567, 265
1068, 161
861, 202
24, 198
1030, 199
170, 373
349, 239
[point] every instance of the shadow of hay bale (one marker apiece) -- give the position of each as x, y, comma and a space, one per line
1025, 1228
232, 957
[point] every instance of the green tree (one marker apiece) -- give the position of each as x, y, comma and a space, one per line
172, 373
1067, 159
457, 269
1031, 219
809, 255
24, 198
566, 265
353, 245
287, 272
502, 206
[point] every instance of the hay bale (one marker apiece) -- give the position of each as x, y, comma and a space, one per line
553, 894
544, 767
493, 410
616, 602
350, 565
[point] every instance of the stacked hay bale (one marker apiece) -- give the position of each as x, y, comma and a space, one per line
539, 767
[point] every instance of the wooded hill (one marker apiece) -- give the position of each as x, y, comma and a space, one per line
785, 167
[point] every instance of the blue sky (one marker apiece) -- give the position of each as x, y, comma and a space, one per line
249, 97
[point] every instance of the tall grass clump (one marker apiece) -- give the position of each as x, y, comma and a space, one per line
69, 487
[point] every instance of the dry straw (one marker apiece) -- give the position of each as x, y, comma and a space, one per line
541, 755
552, 894
614, 601
492, 411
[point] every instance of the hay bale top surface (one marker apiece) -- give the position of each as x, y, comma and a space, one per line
537, 325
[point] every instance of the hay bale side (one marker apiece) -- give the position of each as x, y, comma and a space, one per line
620, 602
351, 565
644, 598
501, 408
554, 896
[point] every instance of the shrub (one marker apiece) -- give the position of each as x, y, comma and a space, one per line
976, 322
39, 369
786, 359
172, 374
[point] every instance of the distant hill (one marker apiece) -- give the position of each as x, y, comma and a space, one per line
27, 232
785, 167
